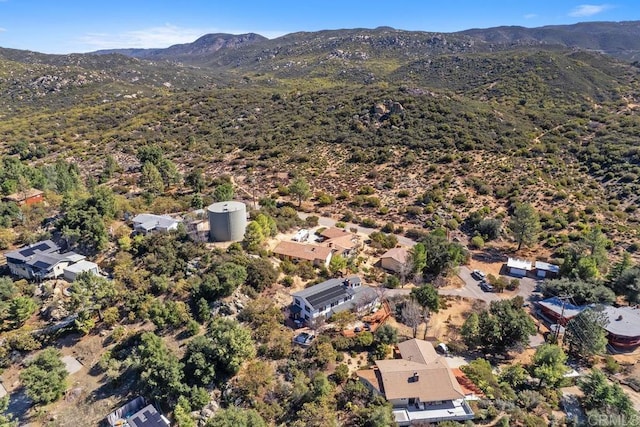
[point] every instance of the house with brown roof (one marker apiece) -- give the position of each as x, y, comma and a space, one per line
26, 197
420, 385
318, 255
333, 232
394, 259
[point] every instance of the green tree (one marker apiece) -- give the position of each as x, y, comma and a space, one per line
597, 243
195, 180
151, 180
619, 268
45, 377
505, 325
585, 333
231, 276
549, 365
418, 258
150, 153
628, 284
90, 292
515, 375
6, 419
470, 331
219, 353
21, 309
261, 274
223, 192
169, 172
337, 264
582, 292
603, 397
524, 224
254, 237
376, 416
427, 296
481, 373
267, 224
300, 189
236, 417
386, 334
161, 373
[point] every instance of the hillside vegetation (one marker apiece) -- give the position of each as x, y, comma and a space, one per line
453, 140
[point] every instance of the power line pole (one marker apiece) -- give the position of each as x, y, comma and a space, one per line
564, 299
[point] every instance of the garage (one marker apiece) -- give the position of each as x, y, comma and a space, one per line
518, 267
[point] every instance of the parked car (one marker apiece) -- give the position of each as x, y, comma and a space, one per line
486, 286
478, 275
304, 339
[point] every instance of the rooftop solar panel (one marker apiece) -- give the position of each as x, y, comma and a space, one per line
27, 252
327, 296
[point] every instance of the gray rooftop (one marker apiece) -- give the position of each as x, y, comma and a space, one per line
623, 321
229, 206
559, 307
44, 261
25, 253
328, 292
147, 417
547, 267
151, 221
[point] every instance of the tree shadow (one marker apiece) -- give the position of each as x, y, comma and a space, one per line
19, 404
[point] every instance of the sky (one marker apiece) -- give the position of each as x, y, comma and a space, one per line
68, 26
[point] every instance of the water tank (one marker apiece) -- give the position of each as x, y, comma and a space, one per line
227, 221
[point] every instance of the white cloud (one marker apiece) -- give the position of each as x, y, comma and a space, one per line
530, 15
154, 37
589, 10
2, 30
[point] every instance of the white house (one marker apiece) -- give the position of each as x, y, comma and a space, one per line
72, 271
147, 223
40, 261
331, 296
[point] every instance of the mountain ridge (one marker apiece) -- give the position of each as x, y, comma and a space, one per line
618, 39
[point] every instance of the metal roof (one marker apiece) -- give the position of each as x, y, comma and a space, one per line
230, 206
44, 261
26, 252
151, 221
547, 267
82, 266
328, 292
623, 321
555, 305
520, 264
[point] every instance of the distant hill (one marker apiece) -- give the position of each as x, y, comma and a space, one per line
190, 52
618, 39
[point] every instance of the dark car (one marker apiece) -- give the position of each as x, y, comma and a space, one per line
478, 275
486, 286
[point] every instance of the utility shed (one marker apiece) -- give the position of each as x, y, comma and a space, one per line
72, 271
546, 270
518, 267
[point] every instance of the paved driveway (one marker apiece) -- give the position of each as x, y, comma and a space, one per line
471, 288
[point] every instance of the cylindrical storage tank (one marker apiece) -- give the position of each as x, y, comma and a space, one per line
227, 221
